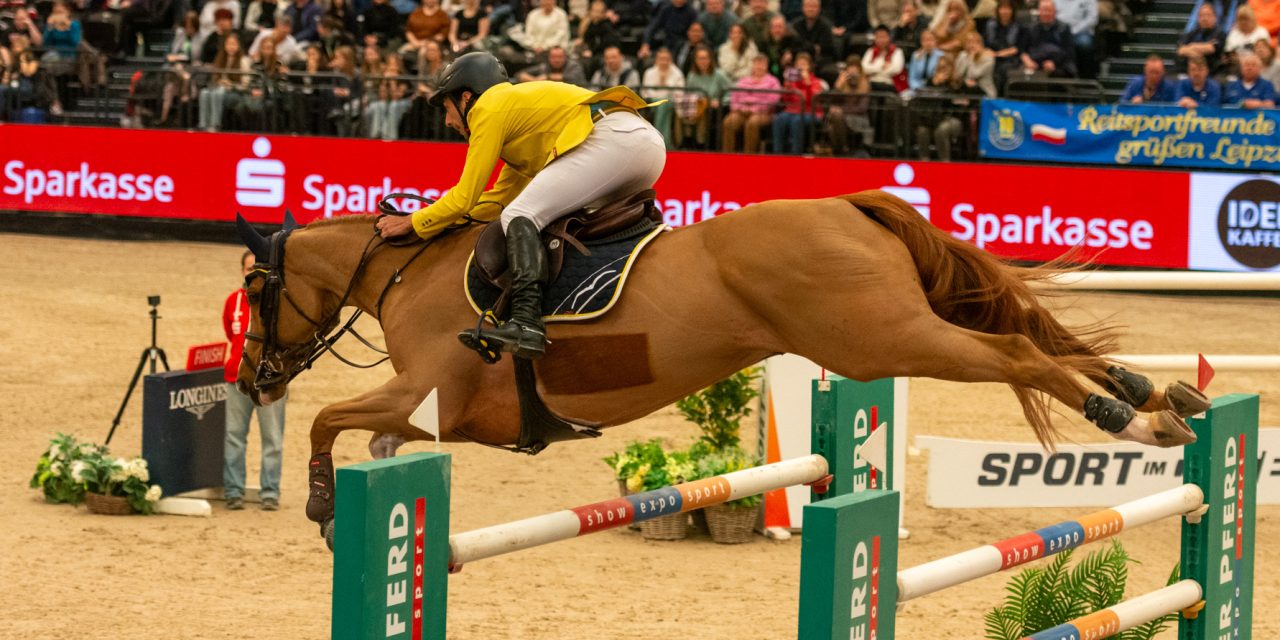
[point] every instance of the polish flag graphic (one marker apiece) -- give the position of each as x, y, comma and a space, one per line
1045, 133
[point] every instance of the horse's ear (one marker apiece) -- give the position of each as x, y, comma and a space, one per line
289, 223
259, 245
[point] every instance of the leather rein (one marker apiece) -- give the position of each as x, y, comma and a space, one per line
273, 366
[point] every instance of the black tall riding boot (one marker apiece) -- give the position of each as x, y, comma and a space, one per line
524, 334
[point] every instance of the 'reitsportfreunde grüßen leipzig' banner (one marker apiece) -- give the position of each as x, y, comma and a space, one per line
1131, 134
1127, 217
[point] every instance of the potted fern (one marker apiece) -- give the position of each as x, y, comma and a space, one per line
1043, 598
718, 411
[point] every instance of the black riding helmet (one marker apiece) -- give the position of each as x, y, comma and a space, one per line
474, 72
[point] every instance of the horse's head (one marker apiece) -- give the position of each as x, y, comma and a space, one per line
284, 336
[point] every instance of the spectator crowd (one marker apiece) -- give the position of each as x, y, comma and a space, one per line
786, 76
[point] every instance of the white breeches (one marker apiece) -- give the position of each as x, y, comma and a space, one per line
622, 155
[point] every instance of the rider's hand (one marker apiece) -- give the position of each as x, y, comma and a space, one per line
395, 226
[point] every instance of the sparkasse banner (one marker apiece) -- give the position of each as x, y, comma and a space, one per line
1035, 212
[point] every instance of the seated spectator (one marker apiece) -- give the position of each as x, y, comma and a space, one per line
431, 65
1198, 89
1251, 91
668, 27
924, 62
61, 37
178, 79
791, 126
340, 101
272, 68
1244, 33
370, 64
975, 67
1205, 40
1270, 65
31, 93
383, 21
663, 73
389, 103
885, 13
23, 25
210, 13
934, 111
546, 27
911, 26
329, 36
954, 28
213, 44
262, 15
716, 21
305, 17
780, 46
616, 71
286, 47
428, 22
737, 53
849, 17
1003, 34
595, 34
345, 15
469, 28
758, 20
559, 67
848, 121
694, 38
1151, 86
750, 111
1049, 47
1081, 16
303, 91
224, 91
693, 110
816, 36
884, 63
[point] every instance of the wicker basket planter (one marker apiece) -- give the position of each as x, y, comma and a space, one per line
622, 490
669, 527
732, 526
107, 505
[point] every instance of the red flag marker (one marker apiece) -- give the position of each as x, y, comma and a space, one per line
1205, 374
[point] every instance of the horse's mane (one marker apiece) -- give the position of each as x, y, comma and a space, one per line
355, 218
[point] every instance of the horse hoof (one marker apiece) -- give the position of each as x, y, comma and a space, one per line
326, 530
1170, 430
1185, 400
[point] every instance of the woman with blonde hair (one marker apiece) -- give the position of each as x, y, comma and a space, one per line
976, 65
955, 27
1244, 32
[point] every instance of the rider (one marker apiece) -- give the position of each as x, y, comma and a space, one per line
563, 148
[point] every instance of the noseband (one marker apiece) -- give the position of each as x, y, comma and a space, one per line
281, 363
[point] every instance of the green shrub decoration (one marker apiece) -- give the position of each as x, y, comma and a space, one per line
1043, 598
69, 469
719, 409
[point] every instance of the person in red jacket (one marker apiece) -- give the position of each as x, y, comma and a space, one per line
791, 127
235, 323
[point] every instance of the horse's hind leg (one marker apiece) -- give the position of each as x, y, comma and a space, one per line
931, 347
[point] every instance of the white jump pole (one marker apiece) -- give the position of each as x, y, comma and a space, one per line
1168, 281
1128, 614
969, 565
571, 523
1190, 361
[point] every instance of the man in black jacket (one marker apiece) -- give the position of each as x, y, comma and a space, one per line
668, 27
382, 20
816, 35
1049, 47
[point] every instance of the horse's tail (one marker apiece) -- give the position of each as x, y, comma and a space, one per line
971, 288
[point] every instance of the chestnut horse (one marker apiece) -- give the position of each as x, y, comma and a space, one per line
861, 285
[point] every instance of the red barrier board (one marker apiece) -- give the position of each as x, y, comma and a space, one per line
1118, 216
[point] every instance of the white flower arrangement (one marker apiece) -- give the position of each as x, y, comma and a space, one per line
69, 469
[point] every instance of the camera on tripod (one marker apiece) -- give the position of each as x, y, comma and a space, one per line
149, 355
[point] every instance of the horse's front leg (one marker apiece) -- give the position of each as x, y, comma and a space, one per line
384, 411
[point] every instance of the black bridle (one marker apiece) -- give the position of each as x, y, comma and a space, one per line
281, 363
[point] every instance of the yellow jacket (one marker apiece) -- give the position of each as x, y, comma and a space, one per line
526, 126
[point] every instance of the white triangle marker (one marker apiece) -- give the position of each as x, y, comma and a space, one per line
427, 416
875, 448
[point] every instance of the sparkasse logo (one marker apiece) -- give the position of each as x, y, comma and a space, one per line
1249, 223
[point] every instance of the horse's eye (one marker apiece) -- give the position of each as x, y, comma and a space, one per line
254, 298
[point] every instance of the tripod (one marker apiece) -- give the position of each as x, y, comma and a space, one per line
149, 355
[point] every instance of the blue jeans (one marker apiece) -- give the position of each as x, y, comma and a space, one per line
789, 131
270, 425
